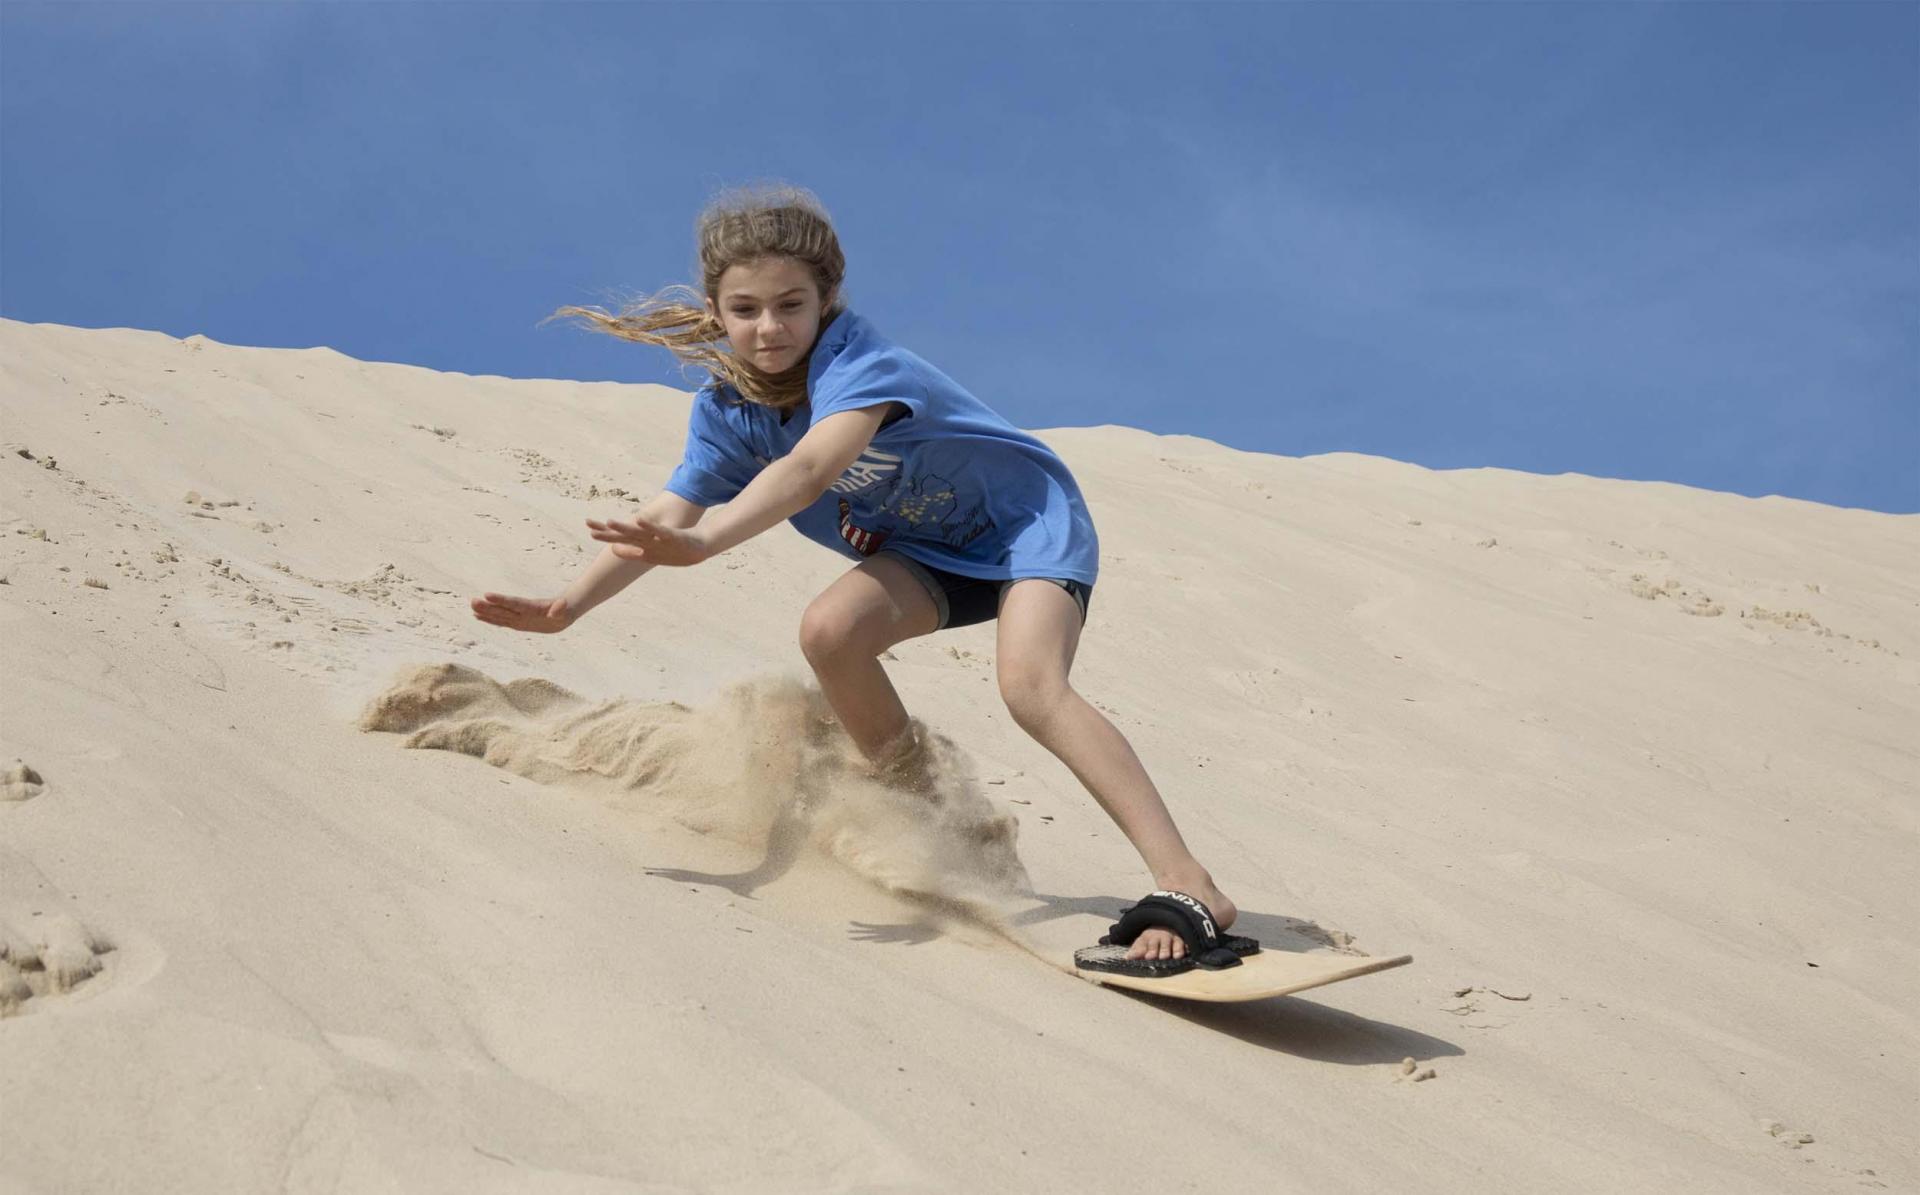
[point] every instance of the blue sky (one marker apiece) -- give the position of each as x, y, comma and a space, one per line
1675, 242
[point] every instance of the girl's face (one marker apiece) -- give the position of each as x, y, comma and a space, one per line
771, 309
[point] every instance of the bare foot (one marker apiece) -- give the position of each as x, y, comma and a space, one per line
1163, 944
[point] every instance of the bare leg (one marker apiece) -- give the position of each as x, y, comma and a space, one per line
873, 606
1039, 632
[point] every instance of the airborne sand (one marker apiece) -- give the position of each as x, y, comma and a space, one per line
1629, 768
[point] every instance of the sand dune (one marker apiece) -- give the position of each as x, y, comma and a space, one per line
1629, 768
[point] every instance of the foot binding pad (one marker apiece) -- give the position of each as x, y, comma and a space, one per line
1207, 947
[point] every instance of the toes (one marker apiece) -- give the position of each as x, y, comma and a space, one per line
1157, 944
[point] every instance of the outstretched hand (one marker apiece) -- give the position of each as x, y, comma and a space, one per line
540, 615
654, 543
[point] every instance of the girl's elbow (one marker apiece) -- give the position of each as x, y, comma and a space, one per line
814, 477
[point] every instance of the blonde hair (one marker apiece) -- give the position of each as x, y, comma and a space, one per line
740, 225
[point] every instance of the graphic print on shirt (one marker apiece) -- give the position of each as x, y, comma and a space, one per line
926, 504
864, 542
873, 467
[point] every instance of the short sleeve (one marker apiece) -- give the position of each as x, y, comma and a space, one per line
717, 463
858, 379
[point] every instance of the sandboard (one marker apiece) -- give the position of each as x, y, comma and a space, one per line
1269, 973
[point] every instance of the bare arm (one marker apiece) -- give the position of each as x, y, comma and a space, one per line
782, 490
610, 573
606, 576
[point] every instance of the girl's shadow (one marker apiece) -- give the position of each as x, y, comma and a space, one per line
784, 840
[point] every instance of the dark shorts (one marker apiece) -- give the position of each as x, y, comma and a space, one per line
964, 601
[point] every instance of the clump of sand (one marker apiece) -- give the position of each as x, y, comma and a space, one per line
766, 765
19, 782
51, 955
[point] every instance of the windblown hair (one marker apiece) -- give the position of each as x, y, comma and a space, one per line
740, 225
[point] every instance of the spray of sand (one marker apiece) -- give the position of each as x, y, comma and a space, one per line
766, 765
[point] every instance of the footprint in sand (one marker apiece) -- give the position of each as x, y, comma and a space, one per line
1791, 1138
1688, 600
541, 468
45, 955
20, 782
1802, 620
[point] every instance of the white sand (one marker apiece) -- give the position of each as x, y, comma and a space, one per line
1629, 768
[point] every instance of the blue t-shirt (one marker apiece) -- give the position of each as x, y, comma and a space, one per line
952, 484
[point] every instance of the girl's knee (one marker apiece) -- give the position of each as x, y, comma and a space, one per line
826, 631
1033, 694
833, 630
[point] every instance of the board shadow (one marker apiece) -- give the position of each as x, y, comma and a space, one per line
1305, 1029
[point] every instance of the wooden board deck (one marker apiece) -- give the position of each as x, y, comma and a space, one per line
1269, 973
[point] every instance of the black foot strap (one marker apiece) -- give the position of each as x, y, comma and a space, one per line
1192, 921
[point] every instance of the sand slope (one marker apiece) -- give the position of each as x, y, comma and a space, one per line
1629, 768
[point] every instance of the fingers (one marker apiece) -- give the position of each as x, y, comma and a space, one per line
516, 613
498, 615
633, 526
639, 539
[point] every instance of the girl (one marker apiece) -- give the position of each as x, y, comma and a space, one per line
954, 516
